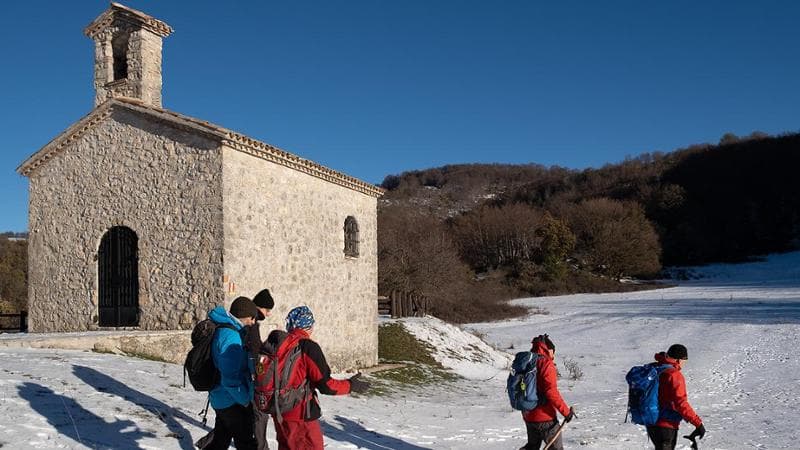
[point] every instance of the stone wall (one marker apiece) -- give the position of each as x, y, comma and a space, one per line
168, 346
130, 170
144, 66
144, 57
285, 230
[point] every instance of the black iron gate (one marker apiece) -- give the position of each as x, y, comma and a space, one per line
118, 273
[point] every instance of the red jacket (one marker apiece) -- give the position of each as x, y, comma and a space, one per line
313, 367
672, 396
546, 388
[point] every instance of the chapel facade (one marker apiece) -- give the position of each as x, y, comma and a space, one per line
141, 218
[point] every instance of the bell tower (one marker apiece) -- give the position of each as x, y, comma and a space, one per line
127, 55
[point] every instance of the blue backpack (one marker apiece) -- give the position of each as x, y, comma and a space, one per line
643, 393
521, 382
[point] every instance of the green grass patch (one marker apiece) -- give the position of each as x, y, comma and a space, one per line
417, 375
397, 345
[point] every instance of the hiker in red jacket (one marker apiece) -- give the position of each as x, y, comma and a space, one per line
299, 428
541, 422
673, 404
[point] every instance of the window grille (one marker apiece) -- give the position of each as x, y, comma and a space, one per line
118, 276
351, 237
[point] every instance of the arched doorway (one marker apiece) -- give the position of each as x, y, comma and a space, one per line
118, 276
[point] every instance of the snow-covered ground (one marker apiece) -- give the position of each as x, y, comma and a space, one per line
741, 324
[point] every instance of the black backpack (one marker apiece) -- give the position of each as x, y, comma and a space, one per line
199, 365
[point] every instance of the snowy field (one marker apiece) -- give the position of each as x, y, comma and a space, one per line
741, 324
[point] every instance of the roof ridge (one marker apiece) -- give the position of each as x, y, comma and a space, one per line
72, 133
130, 15
232, 139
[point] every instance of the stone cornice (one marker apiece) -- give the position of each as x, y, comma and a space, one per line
226, 137
70, 135
129, 15
284, 158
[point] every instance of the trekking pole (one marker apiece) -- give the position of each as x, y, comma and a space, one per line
555, 436
204, 412
694, 441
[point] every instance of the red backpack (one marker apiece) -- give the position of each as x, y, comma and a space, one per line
276, 365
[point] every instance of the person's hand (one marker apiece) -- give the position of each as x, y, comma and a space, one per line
358, 385
568, 418
698, 433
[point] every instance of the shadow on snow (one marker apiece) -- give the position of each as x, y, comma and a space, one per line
157, 408
361, 437
71, 419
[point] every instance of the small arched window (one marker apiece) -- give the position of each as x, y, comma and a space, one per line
119, 47
351, 237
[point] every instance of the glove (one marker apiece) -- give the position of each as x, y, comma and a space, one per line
698, 433
357, 384
568, 418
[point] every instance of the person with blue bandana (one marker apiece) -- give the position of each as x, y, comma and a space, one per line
298, 427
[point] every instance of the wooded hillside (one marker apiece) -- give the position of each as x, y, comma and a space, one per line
505, 230
13, 274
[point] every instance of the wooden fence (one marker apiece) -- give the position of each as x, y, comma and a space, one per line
403, 304
14, 322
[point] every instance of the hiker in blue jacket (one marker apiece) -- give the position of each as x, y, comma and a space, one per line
231, 397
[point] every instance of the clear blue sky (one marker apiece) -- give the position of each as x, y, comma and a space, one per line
379, 87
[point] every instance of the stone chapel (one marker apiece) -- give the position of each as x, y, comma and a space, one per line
141, 218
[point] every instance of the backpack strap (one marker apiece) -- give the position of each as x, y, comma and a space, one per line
228, 326
663, 368
281, 377
310, 396
217, 326
276, 386
667, 412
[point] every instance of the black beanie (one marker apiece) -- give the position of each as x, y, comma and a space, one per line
546, 339
243, 307
678, 351
264, 299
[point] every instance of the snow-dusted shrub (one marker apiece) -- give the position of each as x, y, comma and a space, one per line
573, 369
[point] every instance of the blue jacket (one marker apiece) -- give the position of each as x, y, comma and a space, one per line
232, 361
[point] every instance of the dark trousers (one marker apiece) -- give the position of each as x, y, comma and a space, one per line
540, 433
261, 420
663, 438
235, 422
